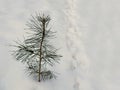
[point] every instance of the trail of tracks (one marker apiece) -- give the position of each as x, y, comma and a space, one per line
79, 61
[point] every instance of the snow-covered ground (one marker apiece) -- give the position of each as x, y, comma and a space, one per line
87, 33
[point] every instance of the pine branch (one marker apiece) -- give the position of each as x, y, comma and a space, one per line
36, 51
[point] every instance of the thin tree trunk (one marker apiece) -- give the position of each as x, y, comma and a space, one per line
43, 35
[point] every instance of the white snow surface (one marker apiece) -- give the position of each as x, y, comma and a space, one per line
88, 36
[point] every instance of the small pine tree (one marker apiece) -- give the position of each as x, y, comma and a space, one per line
36, 51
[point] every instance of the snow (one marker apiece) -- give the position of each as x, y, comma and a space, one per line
87, 35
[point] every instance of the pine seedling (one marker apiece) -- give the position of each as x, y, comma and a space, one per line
36, 51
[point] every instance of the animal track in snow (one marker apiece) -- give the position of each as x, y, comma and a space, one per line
79, 62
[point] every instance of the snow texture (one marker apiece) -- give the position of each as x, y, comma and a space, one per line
88, 37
